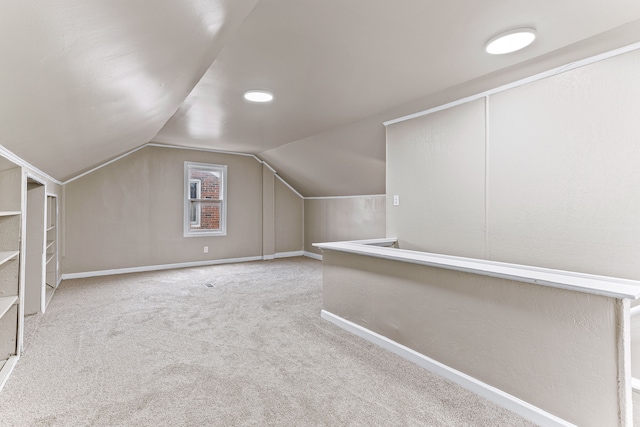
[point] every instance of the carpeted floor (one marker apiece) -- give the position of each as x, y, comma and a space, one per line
161, 349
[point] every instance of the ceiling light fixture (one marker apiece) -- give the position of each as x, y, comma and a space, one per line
511, 41
258, 96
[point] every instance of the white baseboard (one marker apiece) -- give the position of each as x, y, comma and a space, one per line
7, 369
313, 255
289, 254
157, 267
497, 396
268, 257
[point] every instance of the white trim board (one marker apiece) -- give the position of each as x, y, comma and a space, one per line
381, 241
19, 161
279, 255
104, 164
495, 395
289, 186
521, 82
157, 267
175, 147
6, 370
208, 150
313, 255
4, 152
152, 144
344, 197
612, 287
268, 166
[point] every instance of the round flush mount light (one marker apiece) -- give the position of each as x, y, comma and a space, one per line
258, 96
511, 41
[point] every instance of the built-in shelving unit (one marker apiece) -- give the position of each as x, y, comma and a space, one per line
11, 191
51, 252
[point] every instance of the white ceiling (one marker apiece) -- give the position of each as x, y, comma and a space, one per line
84, 81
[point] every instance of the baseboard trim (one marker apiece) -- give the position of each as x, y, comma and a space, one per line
497, 396
268, 257
289, 254
7, 369
157, 267
313, 255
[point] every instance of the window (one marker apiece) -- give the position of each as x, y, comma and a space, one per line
205, 205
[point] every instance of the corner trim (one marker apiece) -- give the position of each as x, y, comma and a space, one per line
6, 370
104, 164
313, 255
157, 267
4, 152
289, 186
497, 396
288, 254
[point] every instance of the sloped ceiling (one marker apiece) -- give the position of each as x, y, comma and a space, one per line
84, 81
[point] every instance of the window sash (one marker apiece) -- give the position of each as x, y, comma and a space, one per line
194, 194
205, 193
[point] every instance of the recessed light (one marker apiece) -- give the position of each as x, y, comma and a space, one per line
258, 96
511, 41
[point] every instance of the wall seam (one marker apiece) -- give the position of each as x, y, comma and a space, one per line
486, 178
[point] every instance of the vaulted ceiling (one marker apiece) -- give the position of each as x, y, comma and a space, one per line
83, 81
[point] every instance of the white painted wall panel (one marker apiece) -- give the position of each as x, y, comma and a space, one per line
564, 182
436, 165
336, 219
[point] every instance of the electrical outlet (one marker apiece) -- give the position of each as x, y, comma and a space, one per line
396, 200
206, 249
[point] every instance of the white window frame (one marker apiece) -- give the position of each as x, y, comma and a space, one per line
188, 231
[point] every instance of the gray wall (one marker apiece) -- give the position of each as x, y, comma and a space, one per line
130, 212
336, 219
289, 219
544, 174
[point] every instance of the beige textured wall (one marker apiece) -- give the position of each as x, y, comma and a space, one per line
336, 219
289, 217
268, 212
130, 213
557, 184
521, 338
563, 176
436, 164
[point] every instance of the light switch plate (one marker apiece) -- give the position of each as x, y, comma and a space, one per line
396, 200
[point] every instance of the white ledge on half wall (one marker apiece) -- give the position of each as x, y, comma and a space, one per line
588, 283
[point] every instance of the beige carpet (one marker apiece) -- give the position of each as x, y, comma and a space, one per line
161, 349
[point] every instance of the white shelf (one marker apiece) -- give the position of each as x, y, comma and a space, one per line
50, 257
7, 255
50, 243
6, 303
51, 228
599, 285
9, 213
